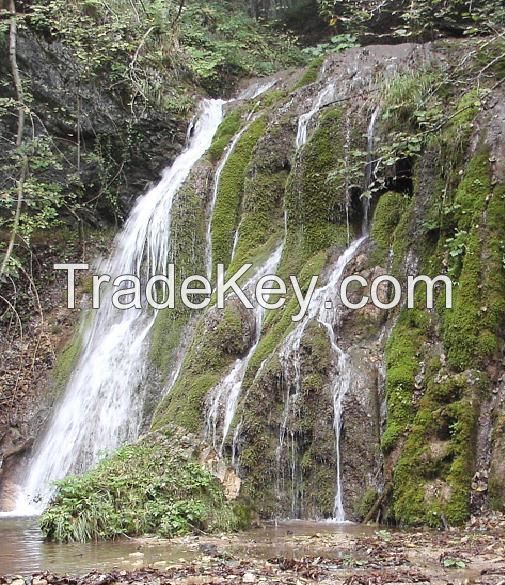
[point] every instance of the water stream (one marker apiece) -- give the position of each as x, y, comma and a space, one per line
325, 96
322, 310
223, 399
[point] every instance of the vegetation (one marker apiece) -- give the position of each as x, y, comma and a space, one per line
148, 488
229, 196
423, 20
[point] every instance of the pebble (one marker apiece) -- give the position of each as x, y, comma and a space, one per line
36, 581
249, 578
18, 582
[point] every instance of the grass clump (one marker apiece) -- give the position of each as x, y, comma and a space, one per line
152, 487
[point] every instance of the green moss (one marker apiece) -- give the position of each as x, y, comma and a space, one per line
187, 253
278, 323
316, 208
225, 216
166, 337
216, 342
387, 216
448, 412
402, 365
261, 215
365, 503
472, 192
226, 131
67, 359
471, 327
152, 487
272, 97
310, 74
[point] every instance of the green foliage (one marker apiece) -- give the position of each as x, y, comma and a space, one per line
147, 488
224, 42
425, 19
335, 44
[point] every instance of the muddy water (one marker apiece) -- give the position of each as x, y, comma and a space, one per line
23, 550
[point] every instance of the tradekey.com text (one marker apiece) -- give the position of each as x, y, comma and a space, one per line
269, 291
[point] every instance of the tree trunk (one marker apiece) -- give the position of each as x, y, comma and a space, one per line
20, 127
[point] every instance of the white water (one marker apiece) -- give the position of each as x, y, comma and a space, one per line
325, 96
256, 89
370, 163
102, 404
291, 362
223, 399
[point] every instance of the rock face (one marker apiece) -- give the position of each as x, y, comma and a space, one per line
93, 127
410, 413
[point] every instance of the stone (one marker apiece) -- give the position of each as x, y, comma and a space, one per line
249, 578
136, 555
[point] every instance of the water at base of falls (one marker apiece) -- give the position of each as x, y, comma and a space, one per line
103, 402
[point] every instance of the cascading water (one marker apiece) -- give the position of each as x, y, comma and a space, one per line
370, 163
223, 399
291, 362
325, 96
102, 405
256, 89
327, 317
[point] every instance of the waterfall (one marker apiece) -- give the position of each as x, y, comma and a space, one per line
325, 96
103, 401
223, 399
370, 164
322, 310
